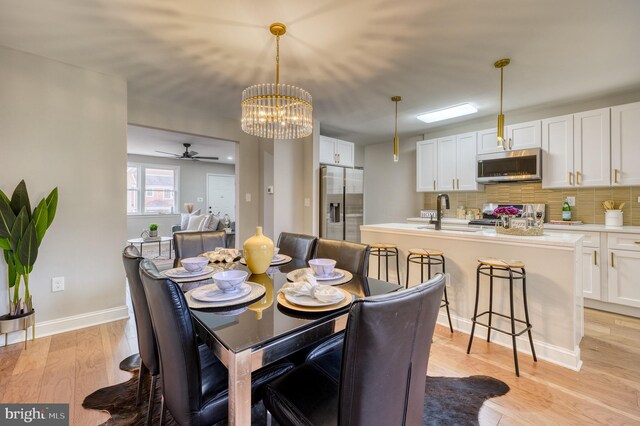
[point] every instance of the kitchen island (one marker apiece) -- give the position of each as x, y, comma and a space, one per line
554, 281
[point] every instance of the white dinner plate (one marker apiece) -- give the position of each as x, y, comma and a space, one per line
310, 301
336, 274
211, 293
281, 259
256, 293
183, 273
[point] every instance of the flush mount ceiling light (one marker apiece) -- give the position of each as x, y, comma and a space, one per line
277, 111
501, 64
396, 141
447, 113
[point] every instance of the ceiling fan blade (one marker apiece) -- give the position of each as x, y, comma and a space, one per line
169, 153
192, 153
207, 158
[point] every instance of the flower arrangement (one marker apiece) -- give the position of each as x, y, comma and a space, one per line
506, 211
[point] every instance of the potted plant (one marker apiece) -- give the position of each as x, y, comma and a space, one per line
21, 232
153, 230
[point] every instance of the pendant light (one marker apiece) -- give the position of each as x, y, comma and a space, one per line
277, 111
501, 64
396, 141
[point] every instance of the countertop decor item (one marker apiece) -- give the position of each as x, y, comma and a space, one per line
258, 252
613, 216
153, 230
277, 111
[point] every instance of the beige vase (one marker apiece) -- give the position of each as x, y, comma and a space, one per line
258, 252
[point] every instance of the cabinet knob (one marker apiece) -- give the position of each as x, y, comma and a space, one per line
613, 264
615, 175
570, 178
578, 178
595, 257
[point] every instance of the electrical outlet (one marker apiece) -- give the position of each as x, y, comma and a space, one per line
57, 284
307, 202
200, 199
447, 279
638, 199
247, 197
571, 201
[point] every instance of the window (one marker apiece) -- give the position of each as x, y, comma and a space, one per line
159, 184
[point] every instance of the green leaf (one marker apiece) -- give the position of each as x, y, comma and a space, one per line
28, 248
52, 206
20, 199
4, 244
39, 219
19, 228
11, 266
7, 216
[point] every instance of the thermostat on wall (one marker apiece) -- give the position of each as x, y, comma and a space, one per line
270, 189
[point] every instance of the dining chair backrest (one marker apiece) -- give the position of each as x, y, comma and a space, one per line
177, 344
385, 356
298, 246
190, 244
146, 339
352, 257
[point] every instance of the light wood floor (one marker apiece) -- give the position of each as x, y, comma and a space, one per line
67, 367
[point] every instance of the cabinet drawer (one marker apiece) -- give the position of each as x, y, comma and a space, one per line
624, 241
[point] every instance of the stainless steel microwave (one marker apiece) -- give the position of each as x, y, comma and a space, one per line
510, 166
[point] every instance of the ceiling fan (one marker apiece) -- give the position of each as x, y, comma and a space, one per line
188, 155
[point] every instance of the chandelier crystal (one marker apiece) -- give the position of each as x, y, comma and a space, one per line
277, 111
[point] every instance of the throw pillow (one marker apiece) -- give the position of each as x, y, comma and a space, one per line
194, 222
213, 224
204, 225
184, 219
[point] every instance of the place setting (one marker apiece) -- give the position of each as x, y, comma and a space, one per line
278, 259
323, 270
230, 292
192, 269
307, 295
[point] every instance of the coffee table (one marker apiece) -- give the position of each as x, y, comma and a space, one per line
158, 240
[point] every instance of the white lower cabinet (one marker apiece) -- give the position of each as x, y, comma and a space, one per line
624, 277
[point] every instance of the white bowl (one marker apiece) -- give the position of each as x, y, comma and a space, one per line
275, 252
194, 264
322, 267
230, 281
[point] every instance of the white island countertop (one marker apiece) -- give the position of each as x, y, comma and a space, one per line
476, 233
553, 264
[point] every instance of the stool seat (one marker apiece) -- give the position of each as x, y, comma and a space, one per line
425, 252
383, 246
501, 263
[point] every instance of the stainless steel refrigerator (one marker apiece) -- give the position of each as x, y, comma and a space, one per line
341, 203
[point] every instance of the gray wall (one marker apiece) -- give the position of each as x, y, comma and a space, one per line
389, 187
193, 184
65, 126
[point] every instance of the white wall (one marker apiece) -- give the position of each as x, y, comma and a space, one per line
193, 184
389, 187
65, 126
161, 115
288, 181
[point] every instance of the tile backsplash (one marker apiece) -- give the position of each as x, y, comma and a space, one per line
588, 206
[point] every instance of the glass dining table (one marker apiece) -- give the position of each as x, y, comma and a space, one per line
266, 331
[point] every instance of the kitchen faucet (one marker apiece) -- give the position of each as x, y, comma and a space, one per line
438, 221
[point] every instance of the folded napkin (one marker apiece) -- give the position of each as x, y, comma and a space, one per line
222, 255
307, 286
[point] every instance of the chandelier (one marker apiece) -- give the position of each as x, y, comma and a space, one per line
500, 130
277, 111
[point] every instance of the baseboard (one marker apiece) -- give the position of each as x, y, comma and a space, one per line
75, 322
551, 353
612, 307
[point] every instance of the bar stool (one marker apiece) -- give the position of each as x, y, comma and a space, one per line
510, 270
429, 257
386, 250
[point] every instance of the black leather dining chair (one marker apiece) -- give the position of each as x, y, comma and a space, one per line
379, 376
194, 381
146, 340
193, 243
298, 246
352, 257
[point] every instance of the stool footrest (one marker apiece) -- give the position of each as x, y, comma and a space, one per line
527, 328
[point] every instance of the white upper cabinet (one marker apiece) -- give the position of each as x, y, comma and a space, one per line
488, 141
447, 159
336, 152
426, 157
625, 144
524, 135
592, 148
466, 165
557, 145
